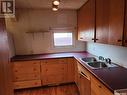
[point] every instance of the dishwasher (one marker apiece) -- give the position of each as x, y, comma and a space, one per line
84, 80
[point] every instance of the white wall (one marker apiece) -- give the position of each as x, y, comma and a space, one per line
29, 20
118, 54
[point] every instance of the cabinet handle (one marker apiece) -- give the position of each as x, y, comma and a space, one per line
81, 38
84, 75
16, 71
125, 41
119, 40
95, 39
92, 38
99, 86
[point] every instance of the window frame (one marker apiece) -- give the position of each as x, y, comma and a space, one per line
63, 31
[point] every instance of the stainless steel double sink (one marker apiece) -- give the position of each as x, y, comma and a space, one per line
93, 63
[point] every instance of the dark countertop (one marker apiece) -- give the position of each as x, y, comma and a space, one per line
113, 78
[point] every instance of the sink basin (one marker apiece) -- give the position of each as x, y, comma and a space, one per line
97, 64
93, 63
89, 59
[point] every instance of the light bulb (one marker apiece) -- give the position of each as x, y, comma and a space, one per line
56, 2
54, 9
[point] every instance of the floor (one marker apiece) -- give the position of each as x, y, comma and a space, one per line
70, 89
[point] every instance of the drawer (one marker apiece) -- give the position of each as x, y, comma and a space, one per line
26, 69
55, 61
27, 84
26, 77
22, 64
53, 79
49, 70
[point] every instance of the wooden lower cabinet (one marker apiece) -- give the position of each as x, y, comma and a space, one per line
88, 84
98, 88
26, 74
43, 72
56, 71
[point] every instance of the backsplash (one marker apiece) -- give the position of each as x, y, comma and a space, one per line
118, 54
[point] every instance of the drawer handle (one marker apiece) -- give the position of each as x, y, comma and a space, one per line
99, 86
119, 40
125, 41
81, 38
16, 71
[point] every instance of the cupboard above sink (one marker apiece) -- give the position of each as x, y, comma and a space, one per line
100, 22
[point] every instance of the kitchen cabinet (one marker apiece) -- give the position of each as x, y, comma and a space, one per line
125, 26
116, 22
53, 71
102, 21
33, 73
26, 74
98, 88
70, 70
109, 22
86, 21
88, 84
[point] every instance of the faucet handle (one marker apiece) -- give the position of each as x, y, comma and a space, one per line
108, 60
101, 58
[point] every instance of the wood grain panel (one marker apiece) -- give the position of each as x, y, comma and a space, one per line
116, 22
26, 67
98, 88
102, 21
54, 71
86, 21
26, 77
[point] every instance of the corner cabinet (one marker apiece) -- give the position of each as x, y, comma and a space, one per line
86, 20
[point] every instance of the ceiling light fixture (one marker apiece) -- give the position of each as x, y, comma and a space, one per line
56, 2
55, 7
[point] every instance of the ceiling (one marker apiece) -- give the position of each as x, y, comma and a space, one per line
38, 4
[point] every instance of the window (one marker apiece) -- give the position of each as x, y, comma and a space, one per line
63, 39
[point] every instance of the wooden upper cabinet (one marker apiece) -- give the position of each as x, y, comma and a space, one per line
109, 21
86, 21
116, 22
125, 26
102, 21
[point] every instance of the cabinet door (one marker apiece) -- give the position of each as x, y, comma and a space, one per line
116, 22
84, 85
86, 21
102, 21
53, 71
70, 70
98, 88
125, 25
